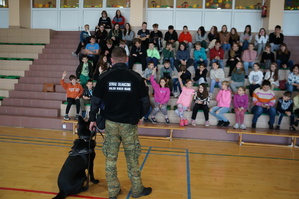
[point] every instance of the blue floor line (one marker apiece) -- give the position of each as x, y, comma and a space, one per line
188, 174
141, 167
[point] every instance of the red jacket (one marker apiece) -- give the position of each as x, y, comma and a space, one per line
72, 91
214, 53
186, 37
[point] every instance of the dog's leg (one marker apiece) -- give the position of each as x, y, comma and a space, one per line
91, 174
60, 195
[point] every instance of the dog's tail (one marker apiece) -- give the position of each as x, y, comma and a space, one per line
60, 195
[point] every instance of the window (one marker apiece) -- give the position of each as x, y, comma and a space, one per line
160, 4
3, 3
93, 4
69, 3
249, 4
291, 5
189, 4
43, 4
118, 3
219, 4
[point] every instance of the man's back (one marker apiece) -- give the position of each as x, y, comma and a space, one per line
121, 90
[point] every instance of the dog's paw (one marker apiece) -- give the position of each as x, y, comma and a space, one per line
94, 181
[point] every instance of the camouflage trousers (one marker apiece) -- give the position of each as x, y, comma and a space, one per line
126, 134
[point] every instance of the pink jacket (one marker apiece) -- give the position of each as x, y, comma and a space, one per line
224, 98
249, 56
161, 95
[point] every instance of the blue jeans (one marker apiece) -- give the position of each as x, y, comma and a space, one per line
220, 115
247, 65
196, 63
245, 45
176, 85
291, 88
290, 64
258, 111
149, 112
226, 47
274, 47
213, 84
220, 62
280, 116
153, 59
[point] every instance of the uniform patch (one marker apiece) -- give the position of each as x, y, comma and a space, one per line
119, 86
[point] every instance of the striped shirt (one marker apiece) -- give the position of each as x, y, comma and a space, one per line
261, 97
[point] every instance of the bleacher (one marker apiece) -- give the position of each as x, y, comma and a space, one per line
48, 108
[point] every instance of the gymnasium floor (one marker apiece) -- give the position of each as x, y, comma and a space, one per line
180, 169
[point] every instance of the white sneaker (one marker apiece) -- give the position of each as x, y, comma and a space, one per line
176, 95
243, 127
210, 95
193, 122
236, 126
74, 54
207, 123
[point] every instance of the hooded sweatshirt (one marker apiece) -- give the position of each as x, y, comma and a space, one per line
72, 91
162, 94
224, 97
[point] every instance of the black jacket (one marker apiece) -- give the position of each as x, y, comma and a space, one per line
123, 93
79, 70
169, 36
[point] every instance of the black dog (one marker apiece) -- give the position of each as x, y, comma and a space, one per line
72, 176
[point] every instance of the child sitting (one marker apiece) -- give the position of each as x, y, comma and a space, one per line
255, 78
138, 54
202, 101
185, 75
285, 107
272, 75
86, 97
223, 99
166, 72
152, 54
107, 50
149, 70
293, 79
84, 39
161, 97
240, 106
199, 56
248, 58
267, 58
216, 75
296, 108
74, 91
102, 66
168, 54
217, 54
264, 101
84, 71
182, 57
238, 77
156, 37
184, 100
201, 74
123, 44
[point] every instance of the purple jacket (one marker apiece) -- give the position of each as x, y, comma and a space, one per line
241, 101
161, 95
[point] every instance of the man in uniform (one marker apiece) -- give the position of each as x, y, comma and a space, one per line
126, 100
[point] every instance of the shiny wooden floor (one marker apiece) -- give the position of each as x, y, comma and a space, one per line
182, 169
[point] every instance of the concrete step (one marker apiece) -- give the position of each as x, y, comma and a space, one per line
37, 95
51, 74
4, 93
57, 56
56, 51
73, 61
8, 84
64, 41
70, 36
42, 67
12, 72
37, 103
28, 111
36, 87
72, 46
67, 33
33, 122
40, 80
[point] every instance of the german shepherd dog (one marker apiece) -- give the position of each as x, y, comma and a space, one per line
72, 178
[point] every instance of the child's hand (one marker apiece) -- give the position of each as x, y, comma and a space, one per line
288, 113
63, 74
154, 71
188, 109
217, 112
180, 73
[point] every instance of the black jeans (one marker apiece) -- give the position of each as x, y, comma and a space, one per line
252, 87
140, 59
177, 64
197, 107
71, 101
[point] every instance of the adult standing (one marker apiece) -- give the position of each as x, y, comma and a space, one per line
126, 100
